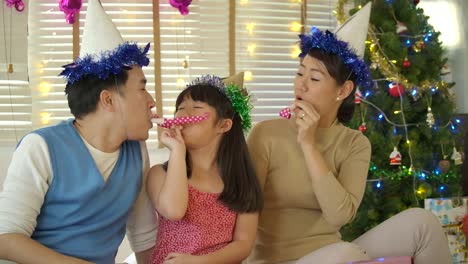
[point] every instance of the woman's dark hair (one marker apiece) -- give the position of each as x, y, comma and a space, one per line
341, 73
242, 192
83, 95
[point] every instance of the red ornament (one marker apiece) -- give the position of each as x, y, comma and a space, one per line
415, 2
363, 127
465, 225
406, 63
395, 89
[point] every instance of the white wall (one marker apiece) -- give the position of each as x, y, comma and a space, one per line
156, 156
448, 17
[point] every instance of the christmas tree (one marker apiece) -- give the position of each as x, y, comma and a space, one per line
408, 115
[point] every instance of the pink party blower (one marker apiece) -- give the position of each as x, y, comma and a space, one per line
168, 122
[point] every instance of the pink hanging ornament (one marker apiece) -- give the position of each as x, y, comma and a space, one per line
71, 8
182, 5
168, 123
18, 4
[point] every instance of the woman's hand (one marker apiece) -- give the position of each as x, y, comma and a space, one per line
307, 119
172, 138
180, 258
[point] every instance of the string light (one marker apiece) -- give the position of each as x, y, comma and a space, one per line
295, 26
247, 75
44, 88
251, 48
250, 27
45, 118
296, 51
181, 82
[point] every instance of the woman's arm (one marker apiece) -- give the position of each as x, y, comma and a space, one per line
168, 191
340, 195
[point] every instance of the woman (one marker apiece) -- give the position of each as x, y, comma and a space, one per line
309, 197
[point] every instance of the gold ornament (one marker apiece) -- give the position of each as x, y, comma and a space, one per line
10, 68
185, 64
418, 46
424, 190
430, 118
339, 12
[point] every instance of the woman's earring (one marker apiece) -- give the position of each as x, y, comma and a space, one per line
337, 98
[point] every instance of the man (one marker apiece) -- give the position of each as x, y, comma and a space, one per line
72, 189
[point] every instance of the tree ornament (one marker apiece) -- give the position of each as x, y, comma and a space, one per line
444, 165
415, 2
401, 28
430, 117
357, 96
395, 157
10, 68
456, 156
406, 63
396, 89
419, 45
185, 64
363, 127
424, 190
374, 66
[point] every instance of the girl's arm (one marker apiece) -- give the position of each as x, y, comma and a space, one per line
168, 191
235, 252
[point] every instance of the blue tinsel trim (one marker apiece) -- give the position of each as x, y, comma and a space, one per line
107, 63
328, 42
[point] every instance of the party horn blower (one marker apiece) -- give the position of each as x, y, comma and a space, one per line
286, 112
168, 122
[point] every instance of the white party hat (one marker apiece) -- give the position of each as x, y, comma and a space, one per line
103, 51
99, 34
354, 29
347, 42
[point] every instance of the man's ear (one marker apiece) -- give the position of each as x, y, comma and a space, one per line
225, 125
107, 100
345, 90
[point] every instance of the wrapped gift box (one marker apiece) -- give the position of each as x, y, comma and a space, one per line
450, 212
387, 260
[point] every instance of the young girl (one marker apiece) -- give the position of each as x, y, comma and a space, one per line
207, 195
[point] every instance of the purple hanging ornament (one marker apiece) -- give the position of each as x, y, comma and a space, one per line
18, 4
71, 8
182, 5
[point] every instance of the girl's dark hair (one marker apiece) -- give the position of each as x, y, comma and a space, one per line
242, 192
341, 73
83, 95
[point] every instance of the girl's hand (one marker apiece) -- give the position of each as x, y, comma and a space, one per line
307, 119
172, 138
180, 258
